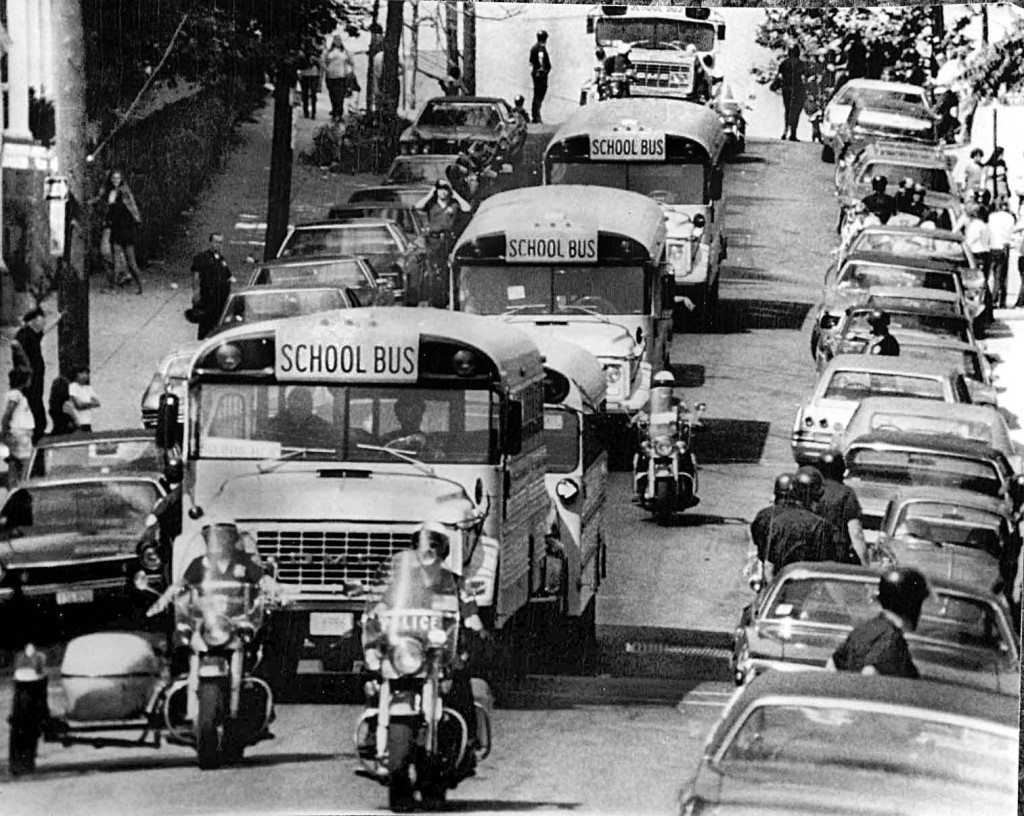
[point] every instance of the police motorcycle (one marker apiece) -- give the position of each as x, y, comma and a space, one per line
411, 738
665, 477
115, 682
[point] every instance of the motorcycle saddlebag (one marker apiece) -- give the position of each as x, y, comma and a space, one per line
108, 676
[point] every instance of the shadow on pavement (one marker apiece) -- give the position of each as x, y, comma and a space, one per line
738, 316
496, 806
746, 158
688, 375
722, 441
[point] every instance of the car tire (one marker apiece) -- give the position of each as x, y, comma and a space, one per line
828, 155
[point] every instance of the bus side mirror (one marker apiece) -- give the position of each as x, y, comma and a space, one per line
716, 184
590, 25
514, 428
721, 31
168, 431
668, 291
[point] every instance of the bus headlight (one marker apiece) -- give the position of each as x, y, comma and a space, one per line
680, 258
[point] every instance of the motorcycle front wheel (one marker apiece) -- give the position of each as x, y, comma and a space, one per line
401, 745
664, 502
208, 725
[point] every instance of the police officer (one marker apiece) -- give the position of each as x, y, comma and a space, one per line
840, 507
211, 285
878, 645
764, 522
794, 531
883, 344
879, 201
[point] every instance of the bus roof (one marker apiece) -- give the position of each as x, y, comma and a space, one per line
610, 210
655, 10
514, 354
575, 363
673, 117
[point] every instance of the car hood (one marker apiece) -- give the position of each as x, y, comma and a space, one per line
599, 338
73, 545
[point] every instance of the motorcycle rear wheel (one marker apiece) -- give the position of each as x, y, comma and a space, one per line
208, 725
664, 502
23, 746
401, 746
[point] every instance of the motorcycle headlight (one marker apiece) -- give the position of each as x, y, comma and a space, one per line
680, 257
437, 638
406, 656
566, 490
216, 630
663, 446
612, 374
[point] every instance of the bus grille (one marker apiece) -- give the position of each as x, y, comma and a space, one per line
315, 558
653, 75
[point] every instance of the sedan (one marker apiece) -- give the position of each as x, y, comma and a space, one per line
330, 270
842, 743
451, 124
849, 378
964, 635
949, 534
905, 124
257, 303
383, 243
72, 540
868, 92
970, 360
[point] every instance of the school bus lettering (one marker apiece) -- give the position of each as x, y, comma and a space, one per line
646, 146
339, 359
554, 248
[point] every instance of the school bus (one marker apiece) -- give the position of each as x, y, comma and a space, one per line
329, 438
671, 152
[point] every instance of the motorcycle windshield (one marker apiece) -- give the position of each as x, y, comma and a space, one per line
420, 603
663, 425
224, 598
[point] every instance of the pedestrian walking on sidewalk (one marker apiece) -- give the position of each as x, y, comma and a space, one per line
1001, 226
211, 285
120, 230
17, 428
310, 81
340, 76
27, 358
1020, 271
540, 67
790, 80
82, 399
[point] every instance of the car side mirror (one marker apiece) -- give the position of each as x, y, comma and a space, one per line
721, 31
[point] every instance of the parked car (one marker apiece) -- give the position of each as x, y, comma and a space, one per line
328, 270
394, 195
450, 125
256, 303
420, 171
96, 453
951, 534
71, 541
171, 376
849, 282
868, 92
805, 613
842, 743
850, 378
968, 358
382, 243
897, 123
884, 461
413, 221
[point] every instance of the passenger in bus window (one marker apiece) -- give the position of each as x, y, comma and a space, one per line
409, 412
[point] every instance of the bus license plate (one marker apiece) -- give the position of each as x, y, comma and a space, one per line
330, 624
74, 596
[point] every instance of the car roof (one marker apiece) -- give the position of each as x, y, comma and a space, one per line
910, 406
881, 363
923, 262
944, 698
337, 223
466, 100
319, 260
939, 443
951, 495
84, 437
883, 85
296, 286
937, 234
813, 569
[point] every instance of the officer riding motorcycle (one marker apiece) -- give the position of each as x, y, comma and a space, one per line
426, 732
665, 469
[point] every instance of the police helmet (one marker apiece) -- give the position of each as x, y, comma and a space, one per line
783, 485
878, 317
832, 465
808, 485
903, 590
879, 183
664, 379
920, 190
217, 518
434, 536
520, 100
542, 35
907, 183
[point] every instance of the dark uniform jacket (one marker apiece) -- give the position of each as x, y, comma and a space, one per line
881, 204
839, 506
877, 642
886, 346
540, 62
787, 533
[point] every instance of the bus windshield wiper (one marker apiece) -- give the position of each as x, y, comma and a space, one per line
403, 456
516, 309
269, 466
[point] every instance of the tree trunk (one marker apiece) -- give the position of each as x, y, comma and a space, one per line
72, 276
469, 46
279, 192
371, 92
414, 52
389, 79
938, 33
451, 32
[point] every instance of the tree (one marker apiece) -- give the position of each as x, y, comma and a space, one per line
999, 69
469, 46
451, 33
390, 89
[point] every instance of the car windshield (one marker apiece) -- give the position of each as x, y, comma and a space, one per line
255, 306
924, 468
952, 524
562, 439
97, 456
351, 273
449, 114
418, 171
86, 508
669, 183
871, 737
940, 426
350, 239
864, 276
858, 385
935, 179
606, 290
330, 423
612, 30
915, 245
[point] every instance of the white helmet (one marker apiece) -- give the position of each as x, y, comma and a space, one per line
664, 378
436, 536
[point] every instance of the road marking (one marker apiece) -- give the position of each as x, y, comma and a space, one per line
258, 225
246, 243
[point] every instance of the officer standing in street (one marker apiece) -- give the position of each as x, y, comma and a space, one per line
883, 344
878, 645
840, 507
27, 356
540, 67
879, 201
211, 285
792, 530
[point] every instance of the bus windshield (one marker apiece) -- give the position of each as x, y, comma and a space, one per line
669, 183
562, 439
606, 290
654, 32
333, 422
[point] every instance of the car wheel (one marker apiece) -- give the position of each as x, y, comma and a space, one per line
828, 155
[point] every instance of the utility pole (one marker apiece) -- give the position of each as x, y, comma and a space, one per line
279, 192
375, 43
414, 53
389, 92
469, 46
451, 32
72, 277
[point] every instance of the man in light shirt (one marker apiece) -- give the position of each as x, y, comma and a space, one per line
977, 238
83, 399
1001, 225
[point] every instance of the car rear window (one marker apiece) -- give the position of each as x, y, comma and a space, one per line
864, 276
924, 469
915, 246
371, 239
858, 385
99, 456
336, 273
255, 306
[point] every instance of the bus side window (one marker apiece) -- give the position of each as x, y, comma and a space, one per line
229, 418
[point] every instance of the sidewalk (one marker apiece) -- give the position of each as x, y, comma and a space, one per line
130, 333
